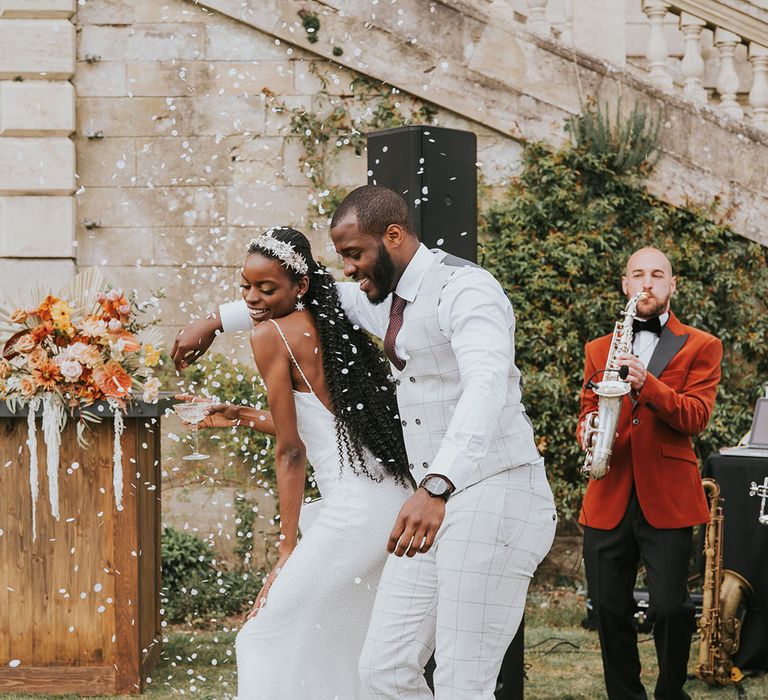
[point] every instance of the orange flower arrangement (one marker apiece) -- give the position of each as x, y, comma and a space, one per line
79, 357
70, 351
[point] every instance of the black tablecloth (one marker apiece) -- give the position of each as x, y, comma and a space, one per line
745, 546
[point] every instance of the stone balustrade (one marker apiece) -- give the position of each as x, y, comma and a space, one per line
731, 23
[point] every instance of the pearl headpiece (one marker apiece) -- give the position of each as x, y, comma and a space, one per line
282, 250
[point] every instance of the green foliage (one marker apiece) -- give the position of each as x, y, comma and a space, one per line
194, 587
249, 451
623, 145
311, 23
559, 242
183, 555
251, 454
341, 122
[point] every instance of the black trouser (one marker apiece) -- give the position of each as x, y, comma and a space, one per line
611, 558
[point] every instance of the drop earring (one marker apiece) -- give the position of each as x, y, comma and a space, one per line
299, 303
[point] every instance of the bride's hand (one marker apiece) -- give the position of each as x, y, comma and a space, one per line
219, 415
261, 598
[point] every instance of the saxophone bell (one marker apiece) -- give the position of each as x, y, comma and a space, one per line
723, 595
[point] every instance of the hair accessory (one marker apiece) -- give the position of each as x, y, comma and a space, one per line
283, 251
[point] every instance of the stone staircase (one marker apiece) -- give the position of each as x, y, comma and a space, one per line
176, 149
509, 68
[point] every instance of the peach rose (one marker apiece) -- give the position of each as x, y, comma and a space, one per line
27, 386
151, 389
70, 370
26, 343
94, 327
19, 316
37, 358
5, 369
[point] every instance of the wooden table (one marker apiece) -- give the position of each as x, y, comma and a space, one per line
79, 606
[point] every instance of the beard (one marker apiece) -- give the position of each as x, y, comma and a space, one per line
382, 276
651, 307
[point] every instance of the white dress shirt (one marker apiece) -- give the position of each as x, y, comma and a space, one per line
474, 314
645, 342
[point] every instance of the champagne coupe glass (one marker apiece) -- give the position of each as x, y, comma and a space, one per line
193, 412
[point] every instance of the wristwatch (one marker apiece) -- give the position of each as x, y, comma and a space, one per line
437, 486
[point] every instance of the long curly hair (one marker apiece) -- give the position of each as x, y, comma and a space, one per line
356, 372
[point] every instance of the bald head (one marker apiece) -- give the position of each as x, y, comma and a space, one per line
649, 270
648, 256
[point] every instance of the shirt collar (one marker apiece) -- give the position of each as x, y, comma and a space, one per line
413, 275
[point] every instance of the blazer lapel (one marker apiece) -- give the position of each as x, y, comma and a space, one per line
668, 346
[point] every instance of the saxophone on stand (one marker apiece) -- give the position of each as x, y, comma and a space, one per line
600, 425
722, 594
761, 491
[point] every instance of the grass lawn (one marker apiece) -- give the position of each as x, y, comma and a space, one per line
562, 660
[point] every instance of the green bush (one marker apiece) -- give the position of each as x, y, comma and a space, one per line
559, 242
250, 453
195, 587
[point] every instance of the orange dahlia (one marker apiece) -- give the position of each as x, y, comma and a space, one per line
39, 333
47, 375
44, 310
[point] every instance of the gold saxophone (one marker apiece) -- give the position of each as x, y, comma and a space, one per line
722, 593
600, 428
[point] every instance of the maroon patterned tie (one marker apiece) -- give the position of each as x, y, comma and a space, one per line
395, 324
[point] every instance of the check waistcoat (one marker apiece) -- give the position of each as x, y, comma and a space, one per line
429, 387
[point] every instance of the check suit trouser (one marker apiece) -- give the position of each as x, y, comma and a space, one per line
463, 599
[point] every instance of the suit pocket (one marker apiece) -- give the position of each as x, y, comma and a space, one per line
679, 452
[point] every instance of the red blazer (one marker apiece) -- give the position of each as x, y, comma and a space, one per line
653, 449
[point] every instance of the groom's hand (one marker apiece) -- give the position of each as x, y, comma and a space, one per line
193, 340
417, 524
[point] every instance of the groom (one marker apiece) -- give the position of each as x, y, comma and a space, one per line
467, 542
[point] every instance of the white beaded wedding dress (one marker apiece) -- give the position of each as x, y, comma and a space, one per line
306, 641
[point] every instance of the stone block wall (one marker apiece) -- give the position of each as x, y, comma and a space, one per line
37, 155
183, 156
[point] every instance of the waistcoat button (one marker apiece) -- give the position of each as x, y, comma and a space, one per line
412, 379
418, 421
635, 421
404, 423
425, 464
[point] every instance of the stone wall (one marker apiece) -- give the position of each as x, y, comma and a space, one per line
182, 156
37, 157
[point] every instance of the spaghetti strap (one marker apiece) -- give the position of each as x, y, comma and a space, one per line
290, 352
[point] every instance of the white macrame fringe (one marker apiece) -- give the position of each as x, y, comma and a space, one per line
53, 412
34, 478
117, 456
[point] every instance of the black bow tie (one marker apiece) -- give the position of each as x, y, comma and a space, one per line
652, 324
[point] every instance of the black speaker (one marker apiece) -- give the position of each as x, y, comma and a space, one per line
435, 170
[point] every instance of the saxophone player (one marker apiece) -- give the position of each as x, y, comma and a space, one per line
646, 505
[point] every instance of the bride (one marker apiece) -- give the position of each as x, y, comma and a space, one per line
331, 402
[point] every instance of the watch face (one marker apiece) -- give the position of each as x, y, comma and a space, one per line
437, 487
